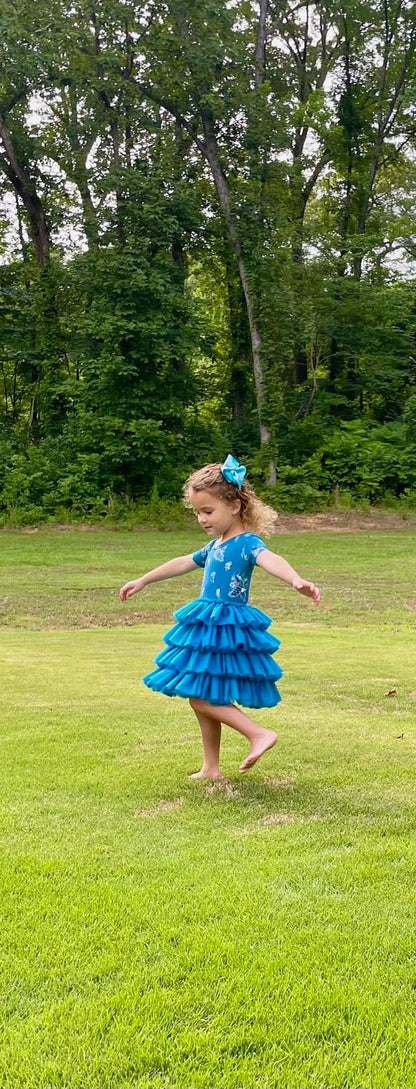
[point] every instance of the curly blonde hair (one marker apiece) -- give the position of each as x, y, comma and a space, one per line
256, 516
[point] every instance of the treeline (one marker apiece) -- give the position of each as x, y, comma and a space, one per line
208, 246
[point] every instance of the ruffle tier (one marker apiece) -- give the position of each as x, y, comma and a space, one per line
219, 652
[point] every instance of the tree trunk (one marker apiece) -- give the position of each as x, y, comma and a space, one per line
261, 44
240, 339
89, 213
209, 149
24, 186
300, 365
221, 185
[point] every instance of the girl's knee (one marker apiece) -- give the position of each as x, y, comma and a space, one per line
195, 703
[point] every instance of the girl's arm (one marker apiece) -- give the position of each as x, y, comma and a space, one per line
276, 565
178, 566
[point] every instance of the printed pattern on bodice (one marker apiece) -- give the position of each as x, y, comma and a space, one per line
228, 567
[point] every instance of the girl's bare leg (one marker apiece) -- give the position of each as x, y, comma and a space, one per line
260, 739
211, 739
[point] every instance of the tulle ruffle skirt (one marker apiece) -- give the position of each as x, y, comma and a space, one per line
219, 652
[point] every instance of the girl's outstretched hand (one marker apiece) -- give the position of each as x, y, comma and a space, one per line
130, 588
308, 589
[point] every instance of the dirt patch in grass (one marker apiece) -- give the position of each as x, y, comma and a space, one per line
161, 807
345, 522
224, 787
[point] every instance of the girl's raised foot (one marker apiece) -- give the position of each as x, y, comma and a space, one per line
206, 774
262, 743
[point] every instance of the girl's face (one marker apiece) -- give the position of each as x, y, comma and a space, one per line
214, 515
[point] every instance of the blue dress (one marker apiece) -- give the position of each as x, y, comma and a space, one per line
220, 650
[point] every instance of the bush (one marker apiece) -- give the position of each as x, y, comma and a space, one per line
356, 465
408, 498
163, 514
367, 462
297, 489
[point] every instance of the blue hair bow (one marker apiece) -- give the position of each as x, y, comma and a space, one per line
233, 472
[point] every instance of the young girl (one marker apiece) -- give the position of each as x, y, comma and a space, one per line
220, 651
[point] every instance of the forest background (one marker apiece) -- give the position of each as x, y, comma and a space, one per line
207, 245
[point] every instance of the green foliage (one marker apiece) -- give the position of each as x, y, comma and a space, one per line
126, 351
156, 512
355, 464
409, 418
43, 480
356, 458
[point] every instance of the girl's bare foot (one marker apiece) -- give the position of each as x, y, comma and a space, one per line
206, 774
265, 740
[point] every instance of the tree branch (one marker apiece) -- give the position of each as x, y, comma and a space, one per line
166, 104
318, 168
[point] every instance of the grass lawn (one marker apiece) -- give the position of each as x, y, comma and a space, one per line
258, 933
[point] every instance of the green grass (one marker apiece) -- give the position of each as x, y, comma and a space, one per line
157, 932
71, 579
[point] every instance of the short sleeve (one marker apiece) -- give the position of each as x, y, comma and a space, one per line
200, 557
256, 546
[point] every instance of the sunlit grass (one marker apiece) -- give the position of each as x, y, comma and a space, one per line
159, 932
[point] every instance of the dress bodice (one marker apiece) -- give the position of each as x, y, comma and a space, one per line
228, 567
